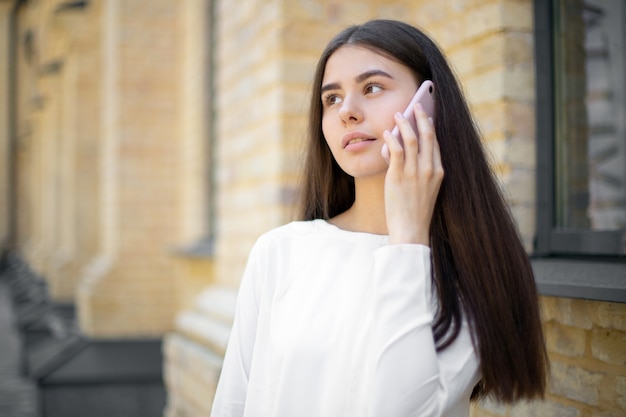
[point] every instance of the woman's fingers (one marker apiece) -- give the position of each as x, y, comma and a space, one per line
417, 148
427, 138
413, 179
437, 164
409, 143
395, 150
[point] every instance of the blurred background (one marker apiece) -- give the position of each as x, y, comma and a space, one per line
146, 144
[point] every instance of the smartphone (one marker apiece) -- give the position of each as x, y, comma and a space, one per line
425, 95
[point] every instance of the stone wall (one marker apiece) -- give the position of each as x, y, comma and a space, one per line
586, 343
128, 286
109, 154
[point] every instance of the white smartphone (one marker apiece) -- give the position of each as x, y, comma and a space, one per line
425, 95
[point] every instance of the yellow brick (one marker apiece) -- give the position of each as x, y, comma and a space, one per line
462, 61
483, 20
518, 49
489, 52
609, 346
575, 383
543, 409
491, 408
609, 315
567, 311
565, 340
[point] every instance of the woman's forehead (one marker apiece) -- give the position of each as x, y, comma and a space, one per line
352, 60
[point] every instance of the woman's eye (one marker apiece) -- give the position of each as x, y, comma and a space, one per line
373, 88
331, 99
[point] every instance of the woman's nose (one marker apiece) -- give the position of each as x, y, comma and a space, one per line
350, 111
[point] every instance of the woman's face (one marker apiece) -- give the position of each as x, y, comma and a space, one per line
361, 91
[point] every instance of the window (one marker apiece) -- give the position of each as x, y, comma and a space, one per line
580, 49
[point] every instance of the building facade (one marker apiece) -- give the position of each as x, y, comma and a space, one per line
146, 144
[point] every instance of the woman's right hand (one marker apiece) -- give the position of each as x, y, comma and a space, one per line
413, 180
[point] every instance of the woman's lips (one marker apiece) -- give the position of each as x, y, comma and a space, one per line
354, 138
358, 140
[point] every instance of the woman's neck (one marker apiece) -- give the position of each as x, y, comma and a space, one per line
367, 214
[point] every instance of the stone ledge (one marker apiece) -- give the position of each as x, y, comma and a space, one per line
209, 322
204, 330
219, 303
191, 373
578, 278
203, 248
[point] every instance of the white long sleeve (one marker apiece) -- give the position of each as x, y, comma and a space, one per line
230, 398
401, 320
336, 323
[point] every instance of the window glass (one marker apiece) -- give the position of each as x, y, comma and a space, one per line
590, 98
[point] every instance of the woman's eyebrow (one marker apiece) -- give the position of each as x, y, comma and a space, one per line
358, 79
331, 86
367, 74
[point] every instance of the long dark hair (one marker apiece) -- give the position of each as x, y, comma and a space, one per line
480, 266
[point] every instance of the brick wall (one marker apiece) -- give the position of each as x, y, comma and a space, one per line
262, 104
248, 129
102, 201
490, 44
130, 290
587, 345
586, 342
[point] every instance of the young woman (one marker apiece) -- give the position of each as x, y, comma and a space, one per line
404, 289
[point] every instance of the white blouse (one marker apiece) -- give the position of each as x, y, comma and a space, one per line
332, 323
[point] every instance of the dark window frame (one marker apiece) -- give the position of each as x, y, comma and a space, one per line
567, 263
